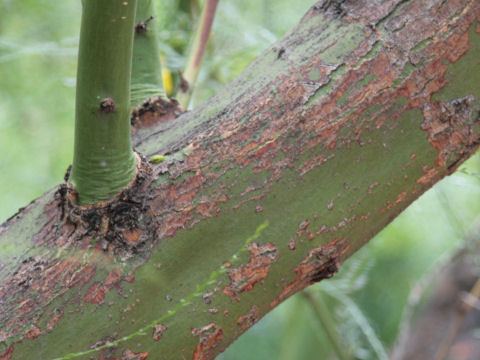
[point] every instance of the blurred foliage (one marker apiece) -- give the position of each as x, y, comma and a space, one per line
368, 298
38, 47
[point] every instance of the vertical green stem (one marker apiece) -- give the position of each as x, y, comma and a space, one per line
103, 161
146, 67
324, 317
196, 51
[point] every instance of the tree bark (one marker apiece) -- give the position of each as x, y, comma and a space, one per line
265, 189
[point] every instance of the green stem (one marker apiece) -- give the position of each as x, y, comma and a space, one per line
146, 66
103, 161
196, 52
323, 315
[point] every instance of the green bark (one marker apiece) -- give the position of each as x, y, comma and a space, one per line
146, 67
264, 190
103, 161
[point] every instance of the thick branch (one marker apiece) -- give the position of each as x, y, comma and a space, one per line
265, 189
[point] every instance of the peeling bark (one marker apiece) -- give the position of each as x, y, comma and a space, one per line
263, 190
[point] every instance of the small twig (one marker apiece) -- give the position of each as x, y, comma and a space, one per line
455, 327
323, 315
196, 52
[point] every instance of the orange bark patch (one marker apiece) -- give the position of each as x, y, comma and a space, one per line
7, 354
132, 236
428, 177
81, 277
56, 315
265, 148
245, 277
448, 124
33, 333
303, 228
401, 197
40, 280
97, 291
130, 355
173, 222
210, 337
154, 112
449, 129
207, 209
320, 263
246, 321
459, 46
292, 244
314, 162
95, 294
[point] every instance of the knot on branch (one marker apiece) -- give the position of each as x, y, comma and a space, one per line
107, 105
451, 128
154, 111
122, 225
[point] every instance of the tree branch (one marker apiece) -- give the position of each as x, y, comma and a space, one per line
264, 190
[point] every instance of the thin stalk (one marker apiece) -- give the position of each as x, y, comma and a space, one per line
146, 66
196, 52
103, 160
323, 315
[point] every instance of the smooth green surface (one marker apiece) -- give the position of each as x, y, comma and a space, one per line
103, 160
146, 67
